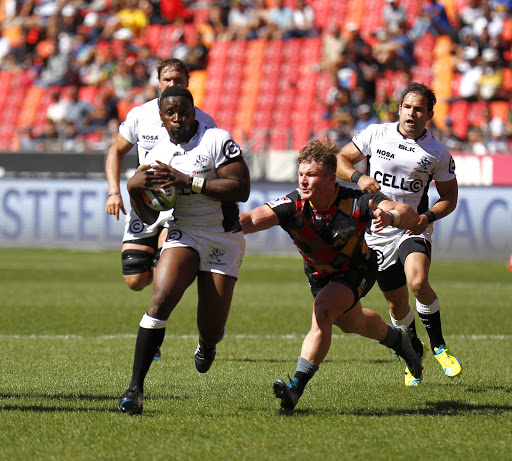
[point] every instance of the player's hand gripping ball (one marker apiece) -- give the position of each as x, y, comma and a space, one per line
162, 200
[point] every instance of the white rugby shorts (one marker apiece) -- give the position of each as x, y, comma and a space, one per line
135, 229
219, 252
386, 245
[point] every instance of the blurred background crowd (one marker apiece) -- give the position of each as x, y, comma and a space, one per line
273, 72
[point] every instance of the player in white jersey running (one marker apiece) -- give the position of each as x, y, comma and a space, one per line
205, 240
402, 159
143, 127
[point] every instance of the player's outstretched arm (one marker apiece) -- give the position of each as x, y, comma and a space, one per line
347, 157
396, 214
258, 219
113, 166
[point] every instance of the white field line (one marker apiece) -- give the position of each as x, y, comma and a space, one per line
194, 336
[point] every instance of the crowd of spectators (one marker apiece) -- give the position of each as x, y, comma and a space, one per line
100, 43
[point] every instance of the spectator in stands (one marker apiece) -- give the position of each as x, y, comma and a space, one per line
78, 110
342, 129
395, 51
280, 20
197, 58
130, 17
471, 12
57, 109
448, 137
57, 69
122, 80
338, 101
218, 21
180, 50
25, 140
260, 21
497, 141
393, 14
303, 20
333, 46
471, 70
346, 72
70, 139
382, 106
491, 80
355, 41
364, 117
5, 43
476, 142
489, 20
239, 20
48, 140
176, 11
433, 19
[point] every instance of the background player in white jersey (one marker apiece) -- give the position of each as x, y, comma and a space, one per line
205, 239
143, 127
402, 159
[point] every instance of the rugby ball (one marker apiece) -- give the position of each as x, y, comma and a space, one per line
162, 200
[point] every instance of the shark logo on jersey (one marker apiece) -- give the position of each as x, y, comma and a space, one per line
200, 161
425, 162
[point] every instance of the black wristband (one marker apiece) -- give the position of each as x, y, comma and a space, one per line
431, 216
356, 176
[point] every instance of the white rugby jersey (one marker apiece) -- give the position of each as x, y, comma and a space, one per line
404, 169
209, 149
144, 127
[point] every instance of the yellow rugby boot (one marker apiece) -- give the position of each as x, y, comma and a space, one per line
409, 379
448, 361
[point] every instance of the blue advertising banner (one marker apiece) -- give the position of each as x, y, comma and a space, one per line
71, 214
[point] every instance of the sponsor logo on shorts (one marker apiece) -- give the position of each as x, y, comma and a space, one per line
136, 226
174, 235
216, 256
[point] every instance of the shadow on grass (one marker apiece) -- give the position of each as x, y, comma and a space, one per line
60, 397
443, 408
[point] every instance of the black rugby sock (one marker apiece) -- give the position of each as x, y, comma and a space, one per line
148, 341
432, 323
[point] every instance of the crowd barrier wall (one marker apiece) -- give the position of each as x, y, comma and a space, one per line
70, 213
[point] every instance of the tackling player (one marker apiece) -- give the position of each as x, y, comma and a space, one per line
402, 159
205, 240
327, 223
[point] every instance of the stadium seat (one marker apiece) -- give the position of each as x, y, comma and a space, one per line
151, 36
89, 93
477, 113
459, 116
499, 109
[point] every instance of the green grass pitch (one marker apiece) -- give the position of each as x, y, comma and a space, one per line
67, 335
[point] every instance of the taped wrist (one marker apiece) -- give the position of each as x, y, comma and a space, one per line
356, 176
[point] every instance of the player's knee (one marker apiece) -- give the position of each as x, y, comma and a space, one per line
137, 268
417, 285
138, 282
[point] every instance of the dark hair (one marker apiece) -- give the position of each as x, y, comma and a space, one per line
175, 91
178, 64
423, 90
320, 151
